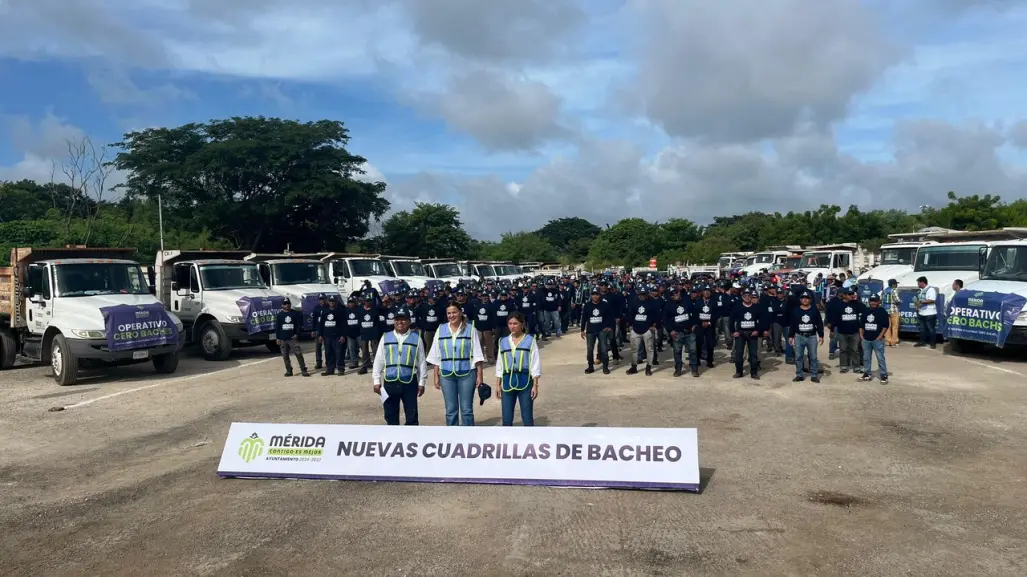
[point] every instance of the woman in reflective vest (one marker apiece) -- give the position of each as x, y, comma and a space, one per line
456, 355
518, 372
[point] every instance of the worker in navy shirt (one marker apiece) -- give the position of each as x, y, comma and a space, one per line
352, 329
370, 332
597, 323
617, 306
680, 322
706, 333
331, 332
747, 322
427, 317
847, 331
874, 324
322, 303
287, 334
643, 315
807, 331
832, 315
774, 305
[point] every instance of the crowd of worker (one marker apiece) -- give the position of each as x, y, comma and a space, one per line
397, 334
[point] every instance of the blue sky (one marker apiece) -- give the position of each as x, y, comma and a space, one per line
519, 111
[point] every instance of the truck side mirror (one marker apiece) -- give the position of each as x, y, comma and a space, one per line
28, 293
174, 286
982, 259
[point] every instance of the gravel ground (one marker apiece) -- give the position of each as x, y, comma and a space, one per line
924, 476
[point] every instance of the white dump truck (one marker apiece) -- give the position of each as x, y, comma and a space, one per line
447, 271
408, 269
220, 297
831, 259
300, 277
79, 307
993, 309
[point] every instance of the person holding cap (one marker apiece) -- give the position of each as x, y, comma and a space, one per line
872, 329
807, 331
287, 334
456, 355
400, 363
518, 371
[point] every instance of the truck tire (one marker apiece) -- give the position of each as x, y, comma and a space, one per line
273, 347
8, 350
166, 364
965, 347
63, 362
214, 343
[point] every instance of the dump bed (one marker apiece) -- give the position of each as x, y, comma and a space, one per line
12, 277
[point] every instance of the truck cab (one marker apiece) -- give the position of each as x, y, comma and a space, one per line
941, 263
298, 277
408, 269
352, 272
896, 260
1004, 271
830, 259
447, 271
763, 260
75, 307
220, 297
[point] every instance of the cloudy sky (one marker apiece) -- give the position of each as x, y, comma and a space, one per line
519, 111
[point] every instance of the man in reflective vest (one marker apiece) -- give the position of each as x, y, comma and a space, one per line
400, 363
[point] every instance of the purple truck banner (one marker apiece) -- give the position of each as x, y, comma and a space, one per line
308, 304
260, 312
145, 326
985, 317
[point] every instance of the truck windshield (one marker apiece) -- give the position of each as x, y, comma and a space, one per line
749, 260
725, 261
959, 257
88, 279
485, 270
446, 270
898, 255
1006, 263
764, 258
815, 260
219, 277
290, 273
792, 262
408, 268
367, 267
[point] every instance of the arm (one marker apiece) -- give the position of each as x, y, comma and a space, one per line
379, 363
422, 365
435, 355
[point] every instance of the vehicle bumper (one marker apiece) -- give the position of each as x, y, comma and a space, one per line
97, 349
237, 332
1017, 336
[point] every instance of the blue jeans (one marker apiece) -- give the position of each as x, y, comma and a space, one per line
832, 348
458, 392
685, 344
789, 349
510, 399
806, 345
869, 348
928, 329
551, 324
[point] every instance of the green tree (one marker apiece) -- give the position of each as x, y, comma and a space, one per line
523, 247
679, 232
561, 233
259, 183
430, 230
630, 242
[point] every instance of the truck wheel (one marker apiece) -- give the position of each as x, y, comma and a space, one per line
8, 352
965, 347
214, 343
63, 362
166, 364
273, 347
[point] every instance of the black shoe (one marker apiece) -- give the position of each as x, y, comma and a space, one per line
709, 365
844, 370
318, 367
589, 370
327, 373
677, 372
656, 362
648, 371
754, 377
815, 379
305, 373
606, 370
737, 375
362, 371
632, 371
884, 380
918, 345
798, 379
695, 372
288, 373
342, 371
830, 356
934, 347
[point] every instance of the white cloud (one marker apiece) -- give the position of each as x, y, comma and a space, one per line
44, 150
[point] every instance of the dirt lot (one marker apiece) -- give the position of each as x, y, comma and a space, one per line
925, 476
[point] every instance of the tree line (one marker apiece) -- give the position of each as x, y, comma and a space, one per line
265, 184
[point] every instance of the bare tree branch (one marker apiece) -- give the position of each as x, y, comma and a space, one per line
87, 169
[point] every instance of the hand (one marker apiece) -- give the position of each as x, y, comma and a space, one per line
320, 339
534, 392
755, 333
420, 391
766, 333
438, 385
820, 340
377, 389
582, 335
478, 380
278, 342
736, 335
791, 342
313, 335
342, 339
673, 334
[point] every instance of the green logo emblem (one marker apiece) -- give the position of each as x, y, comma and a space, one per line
251, 447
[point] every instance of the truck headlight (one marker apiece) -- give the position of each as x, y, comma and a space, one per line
82, 334
1022, 316
234, 319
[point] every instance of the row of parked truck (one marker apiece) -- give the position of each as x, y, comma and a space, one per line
77, 307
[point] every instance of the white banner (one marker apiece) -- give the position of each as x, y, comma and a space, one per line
556, 456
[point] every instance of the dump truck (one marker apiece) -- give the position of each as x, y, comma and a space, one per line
301, 278
221, 298
78, 307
